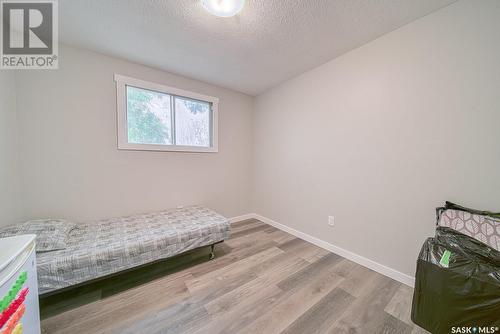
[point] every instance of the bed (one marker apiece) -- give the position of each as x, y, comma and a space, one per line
102, 248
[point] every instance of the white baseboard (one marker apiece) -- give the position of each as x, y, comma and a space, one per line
242, 218
375, 266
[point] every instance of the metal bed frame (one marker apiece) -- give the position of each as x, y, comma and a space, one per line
211, 256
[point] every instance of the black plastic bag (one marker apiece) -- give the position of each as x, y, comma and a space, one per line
457, 285
450, 205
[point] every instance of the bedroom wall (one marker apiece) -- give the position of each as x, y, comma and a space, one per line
10, 204
72, 168
382, 135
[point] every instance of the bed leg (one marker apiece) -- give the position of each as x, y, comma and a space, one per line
212, 252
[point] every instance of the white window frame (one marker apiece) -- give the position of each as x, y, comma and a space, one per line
121, 103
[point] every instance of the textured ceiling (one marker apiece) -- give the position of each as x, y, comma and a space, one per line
267, 43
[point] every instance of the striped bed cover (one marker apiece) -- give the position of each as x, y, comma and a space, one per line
104, 247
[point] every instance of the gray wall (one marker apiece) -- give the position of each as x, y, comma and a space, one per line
383, 134
71, 167
10, 204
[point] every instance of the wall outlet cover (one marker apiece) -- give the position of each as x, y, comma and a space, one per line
331, 220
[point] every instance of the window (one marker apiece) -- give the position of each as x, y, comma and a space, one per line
160, 118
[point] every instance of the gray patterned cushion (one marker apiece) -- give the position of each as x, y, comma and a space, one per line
108, 246
51, 234
483, 228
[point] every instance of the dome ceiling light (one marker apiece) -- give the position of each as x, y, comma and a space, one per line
223, 8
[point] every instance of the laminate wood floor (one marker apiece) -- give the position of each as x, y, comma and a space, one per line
262, 280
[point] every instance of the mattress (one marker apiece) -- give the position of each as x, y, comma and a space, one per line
104, 247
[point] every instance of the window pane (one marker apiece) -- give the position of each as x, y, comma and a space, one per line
148, 117
192, 122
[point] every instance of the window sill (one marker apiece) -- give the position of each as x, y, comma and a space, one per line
167, 148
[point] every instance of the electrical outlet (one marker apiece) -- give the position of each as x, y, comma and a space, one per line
331, 220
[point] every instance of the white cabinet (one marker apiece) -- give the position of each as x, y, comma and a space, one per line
19, 311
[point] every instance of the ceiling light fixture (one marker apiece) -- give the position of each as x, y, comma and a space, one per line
223, 8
